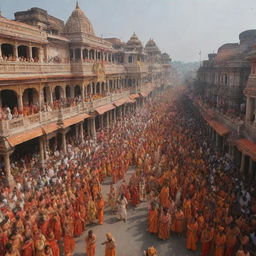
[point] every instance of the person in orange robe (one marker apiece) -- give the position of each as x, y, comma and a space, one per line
192, 228
110, 249
153, 220
206, 240
28, 247
220, 241
164, 225
100, 208
69, 242
179, 221
232, 237
90, 241
164, 197
53, 244
78, 224
56, 226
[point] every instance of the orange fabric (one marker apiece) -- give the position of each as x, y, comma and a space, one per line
179, 222
69, 244
153, 221
192, 236
28, 248
90, 246
100, 206
110, 251
49, 128
164, 197
74, 120
164, 226
104, 109
247, 147
55, 248
25, 136
219, 128
134, 96
220, 241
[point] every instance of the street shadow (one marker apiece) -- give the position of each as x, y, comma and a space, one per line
112, 220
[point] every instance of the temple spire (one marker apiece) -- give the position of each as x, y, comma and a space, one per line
77, 5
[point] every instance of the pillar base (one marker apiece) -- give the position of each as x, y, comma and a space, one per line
11, 181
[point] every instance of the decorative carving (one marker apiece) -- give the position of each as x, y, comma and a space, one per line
99, 70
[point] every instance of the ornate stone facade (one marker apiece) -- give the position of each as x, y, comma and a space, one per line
55, 76
225, 94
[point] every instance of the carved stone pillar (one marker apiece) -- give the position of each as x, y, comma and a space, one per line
102, 121
107, 119
41, 57
93, 128
30, 53
81, 54
242, 165
7, 168
64, 142
16, 54
20, 102
114, 119
1, 55
249, 109
42, 150
77, 130
82, 131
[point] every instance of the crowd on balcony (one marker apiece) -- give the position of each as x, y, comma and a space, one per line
20, 59
236, 114
7, 114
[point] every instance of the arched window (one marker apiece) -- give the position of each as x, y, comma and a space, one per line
77, 91
77, 54
58, 92
23, 52
68, 91
47, 94
7, 50
30, 96
130, 59
9, 99
35, 54
226, 79
85, 54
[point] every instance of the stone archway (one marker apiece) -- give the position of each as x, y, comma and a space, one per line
30, 97
9, 99
58, 93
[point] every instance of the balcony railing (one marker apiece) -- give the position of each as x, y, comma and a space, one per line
36, 68
24, 68
17, 125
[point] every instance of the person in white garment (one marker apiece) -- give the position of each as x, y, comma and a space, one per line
122, 202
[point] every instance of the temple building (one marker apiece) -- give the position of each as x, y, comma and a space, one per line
225, 93
60, 78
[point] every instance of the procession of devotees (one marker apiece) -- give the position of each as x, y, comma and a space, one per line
192, 190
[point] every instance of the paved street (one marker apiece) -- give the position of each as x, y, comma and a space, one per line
131, 237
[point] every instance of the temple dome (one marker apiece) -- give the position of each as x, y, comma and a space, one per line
151, 47
150, 43
134, 42
78, 23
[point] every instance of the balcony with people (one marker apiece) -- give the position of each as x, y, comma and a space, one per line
42, 105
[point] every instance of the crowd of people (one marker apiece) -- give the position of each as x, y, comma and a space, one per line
55, 203
190, 188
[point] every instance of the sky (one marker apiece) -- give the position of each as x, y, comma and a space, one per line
182, 28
